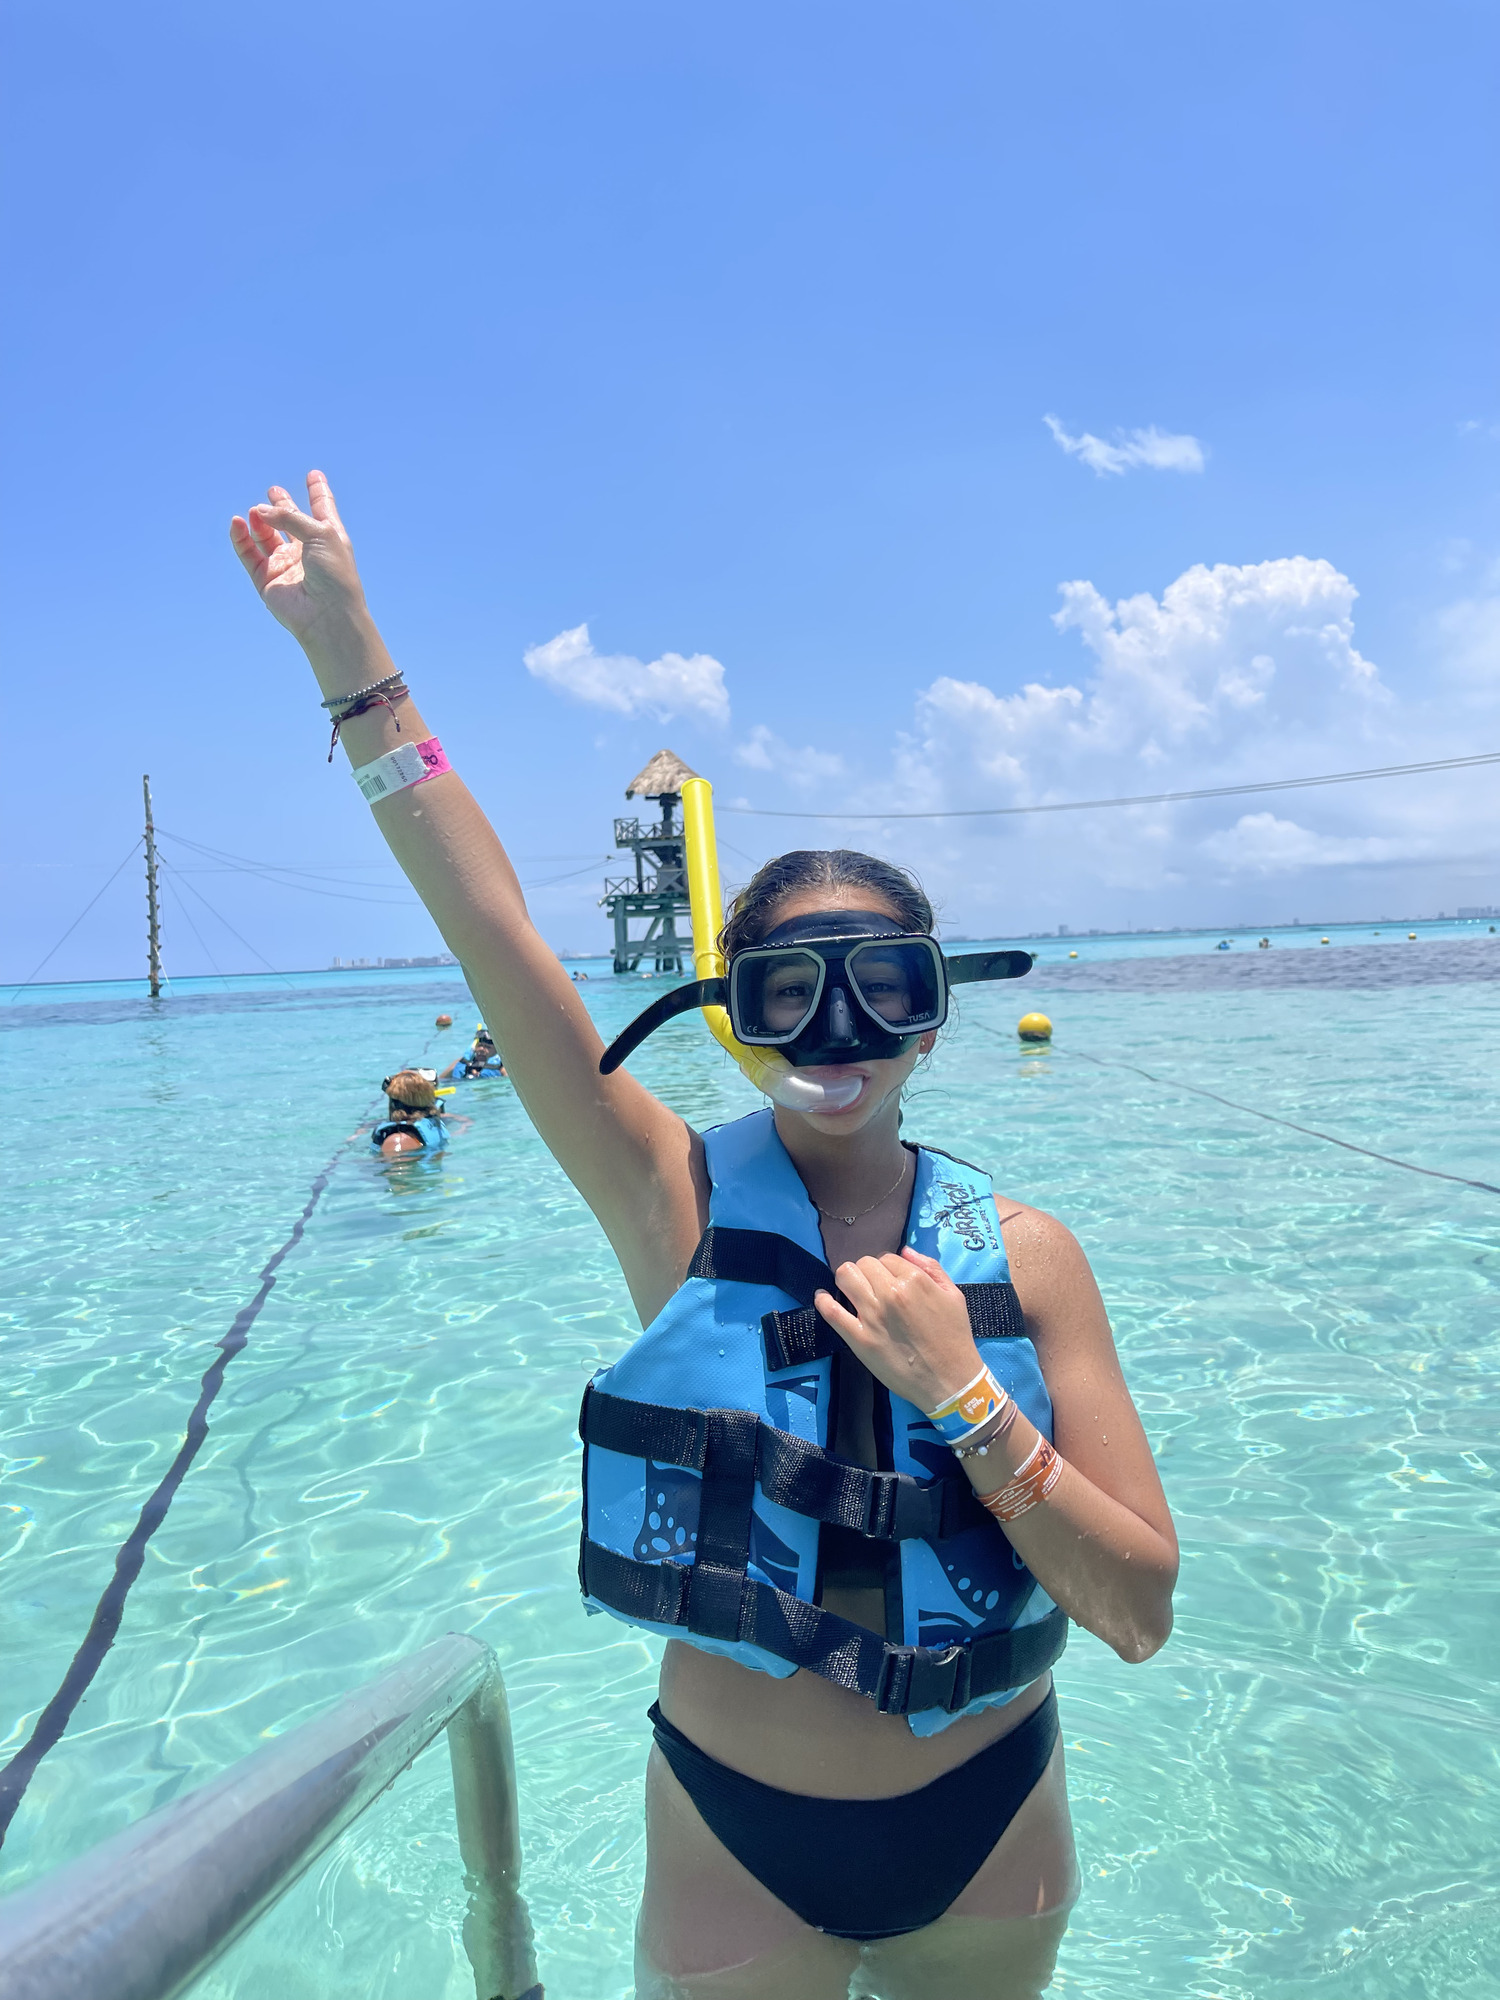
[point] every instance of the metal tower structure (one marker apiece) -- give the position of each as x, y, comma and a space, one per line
153, 917
657, 891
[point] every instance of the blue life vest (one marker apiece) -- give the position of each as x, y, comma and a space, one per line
428, 1130
470, 1066
708, 1477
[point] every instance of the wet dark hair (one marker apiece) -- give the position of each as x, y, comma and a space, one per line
753, 911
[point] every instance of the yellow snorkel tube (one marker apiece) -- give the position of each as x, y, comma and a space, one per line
818, 1086
771, 1073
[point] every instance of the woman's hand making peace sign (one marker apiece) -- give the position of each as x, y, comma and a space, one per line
309, 582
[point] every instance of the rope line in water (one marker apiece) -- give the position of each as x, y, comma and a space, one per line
130, 1558
1308, 1131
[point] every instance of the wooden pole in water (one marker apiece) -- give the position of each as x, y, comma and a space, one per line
153, 927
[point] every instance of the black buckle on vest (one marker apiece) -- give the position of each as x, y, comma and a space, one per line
913, 1678
883, 1504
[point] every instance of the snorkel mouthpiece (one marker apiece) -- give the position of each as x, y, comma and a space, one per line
862, 987
794, 1091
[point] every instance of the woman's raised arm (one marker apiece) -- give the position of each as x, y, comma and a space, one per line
634, 1162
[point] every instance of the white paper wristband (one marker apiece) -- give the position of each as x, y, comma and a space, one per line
397, 770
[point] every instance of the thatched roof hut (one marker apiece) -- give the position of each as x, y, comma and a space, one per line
666, 773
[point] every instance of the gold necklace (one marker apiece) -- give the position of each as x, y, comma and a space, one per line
862, 1213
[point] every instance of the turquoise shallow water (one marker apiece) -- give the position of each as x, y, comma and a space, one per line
1300, 1789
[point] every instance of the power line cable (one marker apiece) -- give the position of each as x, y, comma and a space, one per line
597, 861
275, 867
167, 873
1145, 798
235, 934
273, 876
271, 872
75, 923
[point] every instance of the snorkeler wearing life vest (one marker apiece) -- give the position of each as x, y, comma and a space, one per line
414, 1119
873, 1450
483, 1059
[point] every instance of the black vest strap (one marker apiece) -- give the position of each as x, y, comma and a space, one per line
793, 1339
887, 1506
384, 1130
900, 1680
760, 1257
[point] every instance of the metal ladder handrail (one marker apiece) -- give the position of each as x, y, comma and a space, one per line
143, 1914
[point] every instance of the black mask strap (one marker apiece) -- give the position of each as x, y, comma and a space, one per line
967, 967
697, 993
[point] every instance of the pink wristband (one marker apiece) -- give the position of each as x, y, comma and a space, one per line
398, 770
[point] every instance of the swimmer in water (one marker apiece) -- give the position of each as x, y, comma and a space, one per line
414, 1119
874, 1450
483, 1059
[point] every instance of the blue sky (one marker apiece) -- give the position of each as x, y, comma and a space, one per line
732, 334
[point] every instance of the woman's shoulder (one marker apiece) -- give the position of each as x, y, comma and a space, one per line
1030, 1229
1051, 1274
1040, 1249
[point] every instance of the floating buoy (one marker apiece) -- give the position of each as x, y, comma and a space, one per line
1412, 936
1322, 940
1072, 954
1034, 1028
445, 1020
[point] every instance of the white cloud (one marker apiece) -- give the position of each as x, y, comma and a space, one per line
1232, 674
1261, 844
1227, 659
672, 685
1161, 451
762, 750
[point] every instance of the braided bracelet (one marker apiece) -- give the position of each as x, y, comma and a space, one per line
379, 694
1031, 1482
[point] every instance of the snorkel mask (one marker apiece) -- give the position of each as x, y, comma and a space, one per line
832, 987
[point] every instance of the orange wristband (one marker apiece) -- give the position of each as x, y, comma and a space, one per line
1031, 1482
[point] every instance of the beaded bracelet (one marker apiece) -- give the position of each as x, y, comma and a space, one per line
978, 1446
379, 694
355, 694
1031, 1482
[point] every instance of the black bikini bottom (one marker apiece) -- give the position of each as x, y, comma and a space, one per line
867, 1868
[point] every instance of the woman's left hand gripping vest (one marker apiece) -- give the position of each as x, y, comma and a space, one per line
708, 1477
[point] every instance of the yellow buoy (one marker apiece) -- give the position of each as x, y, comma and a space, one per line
1322, 940
1034, 1028
1412, 935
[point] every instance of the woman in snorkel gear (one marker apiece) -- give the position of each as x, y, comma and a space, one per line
414, 1119
483, 1059
873, 1450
